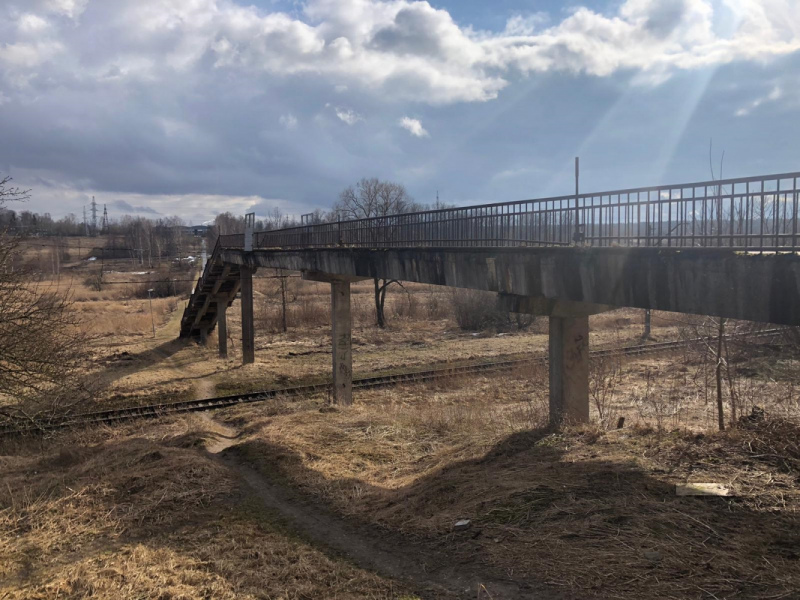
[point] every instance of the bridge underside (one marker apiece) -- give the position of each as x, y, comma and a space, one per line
714, 282
567, 284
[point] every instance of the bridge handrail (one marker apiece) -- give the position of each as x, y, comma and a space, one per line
735, 212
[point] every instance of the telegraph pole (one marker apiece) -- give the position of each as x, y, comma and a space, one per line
94, 216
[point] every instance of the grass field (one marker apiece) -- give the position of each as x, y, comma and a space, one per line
301, 499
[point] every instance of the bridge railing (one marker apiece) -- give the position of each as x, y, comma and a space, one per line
754, 213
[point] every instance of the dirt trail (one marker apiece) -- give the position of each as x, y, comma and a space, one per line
432, 571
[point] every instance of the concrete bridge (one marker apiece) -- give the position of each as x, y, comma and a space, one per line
719, 248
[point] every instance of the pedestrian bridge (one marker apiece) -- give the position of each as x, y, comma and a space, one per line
719, 248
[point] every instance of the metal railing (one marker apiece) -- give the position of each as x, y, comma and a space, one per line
753, 213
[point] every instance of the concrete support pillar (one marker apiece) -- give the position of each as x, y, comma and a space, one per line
569, 370
222, 325
342, 350
248, 331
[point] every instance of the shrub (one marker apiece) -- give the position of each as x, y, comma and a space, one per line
475, 310
94, 281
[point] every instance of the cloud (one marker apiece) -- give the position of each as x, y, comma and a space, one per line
400, 49
289, 121
520, 25
414, 127
127, 207
348, 116
191, 106
775, 95
31, 24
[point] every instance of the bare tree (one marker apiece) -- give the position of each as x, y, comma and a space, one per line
371, 198
41, 348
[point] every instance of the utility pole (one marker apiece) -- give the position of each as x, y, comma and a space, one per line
105, 219
94, 216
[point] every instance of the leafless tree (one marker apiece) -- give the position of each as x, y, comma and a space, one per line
41, 348
374, 198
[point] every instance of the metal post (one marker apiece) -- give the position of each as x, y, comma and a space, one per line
579, 235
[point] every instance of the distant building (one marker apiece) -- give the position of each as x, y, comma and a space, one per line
196, 230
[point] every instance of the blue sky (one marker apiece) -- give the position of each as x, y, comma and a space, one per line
194, 107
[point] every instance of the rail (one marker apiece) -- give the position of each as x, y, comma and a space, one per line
753, 213
440, 371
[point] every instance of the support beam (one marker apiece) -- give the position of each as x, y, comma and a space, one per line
222, 325
540, 306
203, 336
342, 349
248, 330
569, 370
327, 278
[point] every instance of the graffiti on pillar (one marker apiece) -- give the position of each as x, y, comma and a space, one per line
343, 341
576, 353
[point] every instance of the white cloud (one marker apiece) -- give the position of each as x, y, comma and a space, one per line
67, 8
403, 50
348, 116
289, 121
775, 95
520, 25
31, 24
414, 127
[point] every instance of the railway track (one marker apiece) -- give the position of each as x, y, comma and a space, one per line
377, 381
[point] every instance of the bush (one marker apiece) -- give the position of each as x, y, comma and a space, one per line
406, 306
475, 310
94, 281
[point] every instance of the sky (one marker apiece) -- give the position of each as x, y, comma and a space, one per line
195, 107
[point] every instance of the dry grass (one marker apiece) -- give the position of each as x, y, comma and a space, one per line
592, 512
136, 513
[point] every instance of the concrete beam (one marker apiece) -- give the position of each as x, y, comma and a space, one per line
341, 319
703, 281
569, 370
248, 328
327, 278
222, 325
541, 306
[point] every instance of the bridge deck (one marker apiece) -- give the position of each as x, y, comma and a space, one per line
734, 216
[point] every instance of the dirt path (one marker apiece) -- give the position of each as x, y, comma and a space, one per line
432, 571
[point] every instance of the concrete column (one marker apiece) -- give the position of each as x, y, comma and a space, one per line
342, 350
248, 331
222, 325
569, 370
